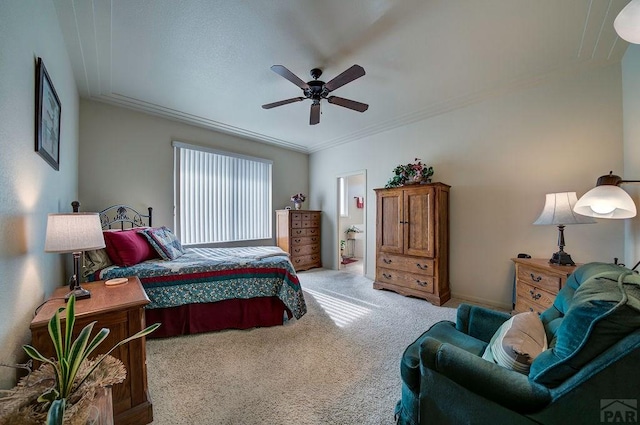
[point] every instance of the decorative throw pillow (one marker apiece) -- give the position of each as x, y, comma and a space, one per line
164, 242
517, 342
95, 260
128, 247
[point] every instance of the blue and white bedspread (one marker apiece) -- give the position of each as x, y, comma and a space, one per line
204, 275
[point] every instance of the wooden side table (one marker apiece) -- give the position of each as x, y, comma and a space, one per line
537, 283
119, 308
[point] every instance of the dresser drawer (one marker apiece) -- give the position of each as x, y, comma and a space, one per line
422, 266
305, 249
310, 223
540, 279
305, 240
408, 280
538, 297
305, 232
523, 305
305, 260
310, 216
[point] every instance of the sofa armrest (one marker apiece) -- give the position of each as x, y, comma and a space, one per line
479, 322
506, 387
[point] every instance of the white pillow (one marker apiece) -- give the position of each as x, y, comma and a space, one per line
517, 342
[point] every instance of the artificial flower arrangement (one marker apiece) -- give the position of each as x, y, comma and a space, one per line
298, 198
353, 229
410, 174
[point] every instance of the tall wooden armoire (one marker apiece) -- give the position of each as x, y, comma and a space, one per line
412, 241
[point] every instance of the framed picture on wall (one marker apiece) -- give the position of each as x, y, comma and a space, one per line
48, 111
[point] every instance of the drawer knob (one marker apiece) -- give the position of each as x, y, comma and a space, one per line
387, 261
421, 283
535, 296
422, 266
386, 275
296, 250
535, 278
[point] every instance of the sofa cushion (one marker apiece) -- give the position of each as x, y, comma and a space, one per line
517, 342
444, 331
604, 309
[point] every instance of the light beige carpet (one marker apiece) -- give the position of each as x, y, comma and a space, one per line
338, 364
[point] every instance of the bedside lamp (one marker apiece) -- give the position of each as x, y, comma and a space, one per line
74, 233
607, 200
558, 210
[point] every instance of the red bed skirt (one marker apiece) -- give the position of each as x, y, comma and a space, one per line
227, 314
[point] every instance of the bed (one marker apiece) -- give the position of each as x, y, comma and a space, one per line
202, 289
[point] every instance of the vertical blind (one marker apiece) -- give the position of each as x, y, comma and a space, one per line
220, 196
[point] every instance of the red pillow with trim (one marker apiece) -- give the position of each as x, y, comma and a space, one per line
128, 247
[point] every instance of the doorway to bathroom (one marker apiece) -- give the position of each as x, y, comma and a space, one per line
352, 235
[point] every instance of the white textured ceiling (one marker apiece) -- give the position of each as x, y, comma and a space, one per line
207, 62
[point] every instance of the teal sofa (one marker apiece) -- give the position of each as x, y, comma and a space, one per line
589, 374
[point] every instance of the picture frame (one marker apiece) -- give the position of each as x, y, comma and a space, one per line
48, 113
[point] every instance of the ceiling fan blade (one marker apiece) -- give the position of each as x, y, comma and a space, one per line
284, 72
356, 71
315, 114
282, 102
347, 103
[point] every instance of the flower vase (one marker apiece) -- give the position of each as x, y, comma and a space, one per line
297, 205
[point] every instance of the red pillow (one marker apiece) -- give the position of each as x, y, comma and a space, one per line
127, 247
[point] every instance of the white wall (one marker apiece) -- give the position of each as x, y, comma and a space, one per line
126, 157
500, 156
29, 187
631, 106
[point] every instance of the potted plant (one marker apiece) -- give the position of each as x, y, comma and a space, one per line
66, 376
298, 199
410, 174
351, 232
343, 244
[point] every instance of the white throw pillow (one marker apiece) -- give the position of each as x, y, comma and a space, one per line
517, 342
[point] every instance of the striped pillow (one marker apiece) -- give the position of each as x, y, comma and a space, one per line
517, 342
164, 242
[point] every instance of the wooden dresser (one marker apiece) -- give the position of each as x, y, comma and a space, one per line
412, 241
538, 283
298, 233
119, 308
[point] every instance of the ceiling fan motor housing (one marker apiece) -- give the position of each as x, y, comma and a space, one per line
316, 90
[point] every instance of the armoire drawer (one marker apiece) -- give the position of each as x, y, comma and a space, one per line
423, 266
408, 280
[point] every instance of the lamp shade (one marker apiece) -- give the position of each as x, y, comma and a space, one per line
73, 232
627, 23
558, 210
606, 201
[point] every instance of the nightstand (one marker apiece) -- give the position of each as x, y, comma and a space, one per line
119, 308
538, 283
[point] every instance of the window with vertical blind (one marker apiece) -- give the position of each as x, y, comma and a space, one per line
220, 196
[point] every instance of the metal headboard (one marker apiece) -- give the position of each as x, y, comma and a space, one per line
120, 215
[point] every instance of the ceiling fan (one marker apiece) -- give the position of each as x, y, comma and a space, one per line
317, 90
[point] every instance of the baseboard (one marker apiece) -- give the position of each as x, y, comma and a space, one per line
483, 301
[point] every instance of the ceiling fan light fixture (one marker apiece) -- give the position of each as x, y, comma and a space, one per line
627, 23
317, 90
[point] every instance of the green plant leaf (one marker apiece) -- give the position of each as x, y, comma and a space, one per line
74, 358
35, 354
55, 415
55, 332
71, 321
49, 396
144, 332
